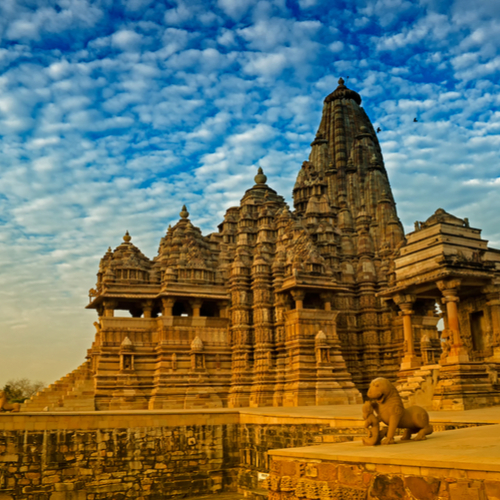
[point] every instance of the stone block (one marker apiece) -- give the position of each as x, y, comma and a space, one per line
350, 474
64, 486
388, 488
492, 489
68, 495
462, 490
422, 488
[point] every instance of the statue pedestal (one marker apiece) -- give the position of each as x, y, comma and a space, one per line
457, 354
464, 386
410, 362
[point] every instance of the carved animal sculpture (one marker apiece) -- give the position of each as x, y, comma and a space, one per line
5, 405
391, 411
371, 425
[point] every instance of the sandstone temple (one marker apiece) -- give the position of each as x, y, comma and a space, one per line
302, 305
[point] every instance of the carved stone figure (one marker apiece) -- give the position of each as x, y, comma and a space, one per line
445, 344
371, 425
5, 405
391, 411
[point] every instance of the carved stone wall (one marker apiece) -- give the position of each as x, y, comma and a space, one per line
294, 480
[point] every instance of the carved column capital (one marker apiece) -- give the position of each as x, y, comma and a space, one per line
450, 298
109, 307
147, 308
168, 304
406, 310
404, 299
110, 303
298, 295
450, 286
196, 305
327, 298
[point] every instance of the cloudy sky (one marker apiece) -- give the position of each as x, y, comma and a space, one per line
113, 113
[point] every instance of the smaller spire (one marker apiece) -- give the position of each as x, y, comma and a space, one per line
260, 178
184, 213
341, 82
127, 237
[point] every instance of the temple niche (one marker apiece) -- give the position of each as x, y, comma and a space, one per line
302, 305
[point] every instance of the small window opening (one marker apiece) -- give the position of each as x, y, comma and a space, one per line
182, 308
477, 330
313, 301
209, 310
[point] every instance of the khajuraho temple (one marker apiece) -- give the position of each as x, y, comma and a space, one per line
302, 305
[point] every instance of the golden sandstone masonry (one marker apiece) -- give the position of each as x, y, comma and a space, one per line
297, 307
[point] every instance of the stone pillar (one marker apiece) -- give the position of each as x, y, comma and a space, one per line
449, 289
147, 308
196, 305
168, 305
298, 297
410, 359
493, 295
327, 300
109, 308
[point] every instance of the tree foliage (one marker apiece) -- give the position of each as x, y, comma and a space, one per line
18, 390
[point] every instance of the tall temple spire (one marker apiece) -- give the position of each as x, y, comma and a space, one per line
346, 160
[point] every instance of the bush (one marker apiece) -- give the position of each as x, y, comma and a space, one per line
18, 390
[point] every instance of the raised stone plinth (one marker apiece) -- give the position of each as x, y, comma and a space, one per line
454, 465
464, 386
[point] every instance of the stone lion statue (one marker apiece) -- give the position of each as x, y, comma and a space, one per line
5, 405
391, 411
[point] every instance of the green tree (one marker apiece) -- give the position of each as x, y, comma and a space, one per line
18, 390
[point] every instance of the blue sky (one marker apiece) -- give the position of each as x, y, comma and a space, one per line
115, 113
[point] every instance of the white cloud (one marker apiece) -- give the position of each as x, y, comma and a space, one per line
337, 46
110, 123
235, 9
126, 40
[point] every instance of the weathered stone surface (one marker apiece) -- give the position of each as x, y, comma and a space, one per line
463, 490
69, 495
388, 488
422, 488
492, 489
350, 475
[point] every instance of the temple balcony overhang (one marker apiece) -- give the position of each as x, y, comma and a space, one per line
122, 292
312, 283
192, 290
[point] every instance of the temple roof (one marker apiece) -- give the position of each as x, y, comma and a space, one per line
441, 216
342, 92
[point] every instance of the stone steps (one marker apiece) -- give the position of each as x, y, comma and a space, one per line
74, 391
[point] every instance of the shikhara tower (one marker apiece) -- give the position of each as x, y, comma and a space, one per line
280, 307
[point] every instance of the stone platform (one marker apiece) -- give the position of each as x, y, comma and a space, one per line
457, 465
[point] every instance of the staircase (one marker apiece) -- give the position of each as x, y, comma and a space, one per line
418, 387
73, 392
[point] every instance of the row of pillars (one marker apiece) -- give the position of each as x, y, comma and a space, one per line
299, 295
147, 307
457, 352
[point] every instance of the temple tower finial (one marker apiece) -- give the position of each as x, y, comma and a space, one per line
260, 178
184, 213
